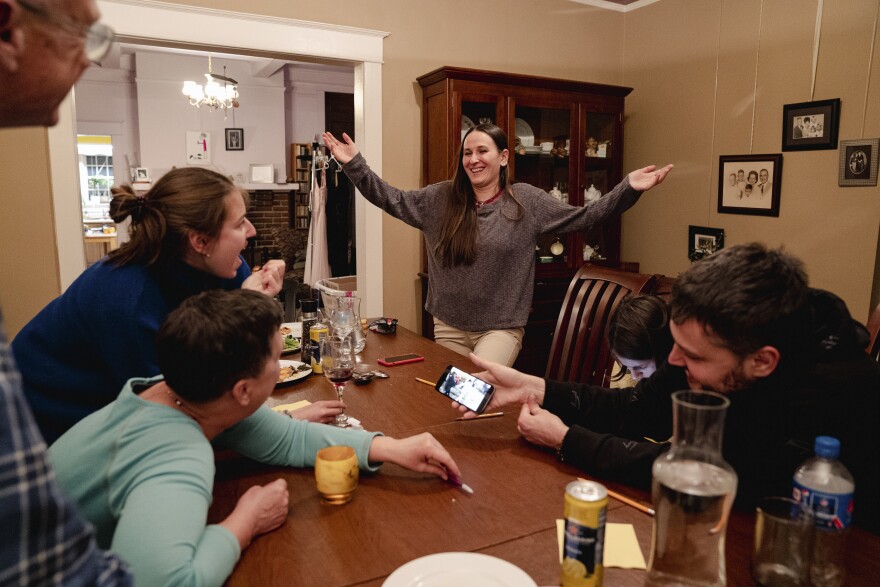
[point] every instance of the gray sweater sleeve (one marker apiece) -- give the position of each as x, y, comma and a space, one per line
412, 206
553, 216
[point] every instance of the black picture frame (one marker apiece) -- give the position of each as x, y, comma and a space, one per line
746, 193
235, 139
704, 241
810, 126
858, 162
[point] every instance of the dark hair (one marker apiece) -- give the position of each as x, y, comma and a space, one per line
215, 339
748, 296
184, 200
639, 330
457, 244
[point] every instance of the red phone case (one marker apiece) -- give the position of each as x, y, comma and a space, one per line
403, 362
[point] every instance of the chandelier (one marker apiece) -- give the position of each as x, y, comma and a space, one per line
214, 94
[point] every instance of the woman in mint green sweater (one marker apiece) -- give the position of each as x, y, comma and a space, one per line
142, 468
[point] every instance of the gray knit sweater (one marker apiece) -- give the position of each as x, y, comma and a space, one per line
496, 291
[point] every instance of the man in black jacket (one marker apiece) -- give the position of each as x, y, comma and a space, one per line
790, 359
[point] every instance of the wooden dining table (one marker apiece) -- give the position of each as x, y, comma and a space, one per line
397, 515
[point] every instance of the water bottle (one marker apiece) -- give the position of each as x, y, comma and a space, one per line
823, 484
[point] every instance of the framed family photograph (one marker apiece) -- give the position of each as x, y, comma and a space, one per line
703, 241
810, 126
858, 162
235, 139
749, 184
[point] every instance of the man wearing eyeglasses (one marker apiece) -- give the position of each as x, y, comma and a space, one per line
43, 53
44, 47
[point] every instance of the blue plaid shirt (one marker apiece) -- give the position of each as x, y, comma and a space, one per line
42, 539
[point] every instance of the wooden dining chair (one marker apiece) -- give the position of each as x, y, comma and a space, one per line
873, 325
580, 351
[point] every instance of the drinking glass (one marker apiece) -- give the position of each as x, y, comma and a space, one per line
336, 474
337, 362
783, 536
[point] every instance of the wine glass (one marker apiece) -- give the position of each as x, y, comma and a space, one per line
337, 362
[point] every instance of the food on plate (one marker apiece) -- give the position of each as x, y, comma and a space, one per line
285, 330
291, 343
289, 371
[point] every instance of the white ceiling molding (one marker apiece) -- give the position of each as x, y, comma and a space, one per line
203, 26
607, 5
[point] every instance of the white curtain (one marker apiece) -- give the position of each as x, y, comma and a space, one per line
317, 265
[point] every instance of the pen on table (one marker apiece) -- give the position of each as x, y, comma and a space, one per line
455, 480
492, 415
425, 381
627, 501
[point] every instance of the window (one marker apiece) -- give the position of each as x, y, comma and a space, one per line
96, 175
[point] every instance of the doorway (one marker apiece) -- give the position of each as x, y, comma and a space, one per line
341, 237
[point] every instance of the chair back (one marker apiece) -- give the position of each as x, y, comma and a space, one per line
580, 351
873, 325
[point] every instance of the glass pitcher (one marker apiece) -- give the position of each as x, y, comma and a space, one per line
693, 489
344, 314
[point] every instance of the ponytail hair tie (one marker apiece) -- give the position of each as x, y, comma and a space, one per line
140, 205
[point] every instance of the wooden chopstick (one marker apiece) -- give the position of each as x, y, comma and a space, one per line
630, 502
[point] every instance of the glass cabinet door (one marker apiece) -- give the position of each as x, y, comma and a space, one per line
478, 109
541, 147
600, 172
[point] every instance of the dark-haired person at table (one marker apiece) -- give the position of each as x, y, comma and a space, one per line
745, 324
187, 234
481, 229
639, 337
142, 468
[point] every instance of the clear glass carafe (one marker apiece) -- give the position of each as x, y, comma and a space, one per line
693, 489
344, 313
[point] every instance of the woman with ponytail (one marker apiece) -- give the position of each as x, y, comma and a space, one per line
480, 234
186, 237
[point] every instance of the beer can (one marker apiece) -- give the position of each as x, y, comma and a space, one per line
317, 334
586, 503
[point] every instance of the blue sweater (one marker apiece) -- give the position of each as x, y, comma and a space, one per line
79, 351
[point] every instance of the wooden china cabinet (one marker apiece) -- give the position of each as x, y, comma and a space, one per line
565, 137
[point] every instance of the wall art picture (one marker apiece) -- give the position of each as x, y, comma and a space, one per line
810, 126
858, 163
235, 139
704, 241
749, 184
198, 147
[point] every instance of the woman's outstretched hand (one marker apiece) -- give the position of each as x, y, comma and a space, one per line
343, 151
647, 177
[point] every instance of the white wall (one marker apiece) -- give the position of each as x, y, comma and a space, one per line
148, 116
106, 104
165, 115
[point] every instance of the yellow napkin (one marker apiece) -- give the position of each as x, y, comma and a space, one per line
621, 547
292, 407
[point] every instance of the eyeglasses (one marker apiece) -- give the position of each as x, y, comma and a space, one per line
98, 36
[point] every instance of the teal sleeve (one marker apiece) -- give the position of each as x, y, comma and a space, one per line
275, 439
162, 534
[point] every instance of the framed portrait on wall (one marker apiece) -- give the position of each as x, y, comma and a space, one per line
858, 163
749, 184
810, 126
704, 241
235, 139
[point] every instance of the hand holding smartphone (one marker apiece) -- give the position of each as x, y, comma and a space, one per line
464, 388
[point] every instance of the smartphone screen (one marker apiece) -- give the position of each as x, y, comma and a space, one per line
472, 393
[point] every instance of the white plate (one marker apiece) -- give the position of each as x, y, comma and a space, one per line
524, 132
297, 375
294, 328
461, 569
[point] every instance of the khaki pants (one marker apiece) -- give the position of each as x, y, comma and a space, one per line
501, 346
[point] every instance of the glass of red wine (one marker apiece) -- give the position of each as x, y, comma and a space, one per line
337, 362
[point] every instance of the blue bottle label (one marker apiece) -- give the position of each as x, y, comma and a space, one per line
585, 544
831, 510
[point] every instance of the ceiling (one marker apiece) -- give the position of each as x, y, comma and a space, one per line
264, 65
